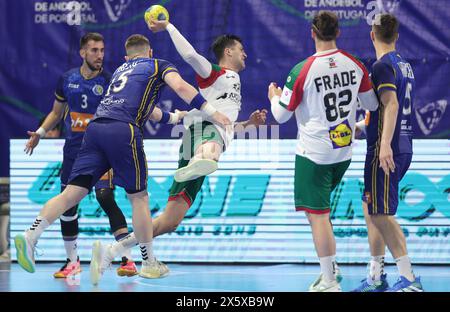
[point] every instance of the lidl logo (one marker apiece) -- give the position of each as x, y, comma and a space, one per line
341, 135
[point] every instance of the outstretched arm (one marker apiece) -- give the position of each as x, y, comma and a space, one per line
199, 63
158, 115
50, 122
192, 97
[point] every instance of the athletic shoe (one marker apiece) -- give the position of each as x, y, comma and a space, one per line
100, 261
153, 269
127, 268
196, 169
25, 252
371, 286
404, 285
68, 269
337, 274
320, 285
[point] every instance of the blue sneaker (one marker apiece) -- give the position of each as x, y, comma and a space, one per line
378, 286
404, 285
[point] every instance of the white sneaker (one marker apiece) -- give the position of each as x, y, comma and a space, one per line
153, 269
320, 285
100, 261
195, 169
25, 252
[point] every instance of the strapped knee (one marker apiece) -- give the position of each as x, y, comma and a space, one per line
69, 222
105, 198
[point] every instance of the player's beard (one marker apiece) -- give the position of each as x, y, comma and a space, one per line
92, 67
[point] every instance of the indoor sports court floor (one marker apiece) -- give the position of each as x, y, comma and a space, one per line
207, 278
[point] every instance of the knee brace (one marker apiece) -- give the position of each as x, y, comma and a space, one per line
105, 198
69, 222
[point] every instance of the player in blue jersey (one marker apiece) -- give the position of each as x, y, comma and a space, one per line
114, 139
202, 140
77, 97
389, 152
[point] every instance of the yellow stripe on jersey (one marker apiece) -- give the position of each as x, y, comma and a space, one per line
386, 193
168, 68
390, 85
374, 185
132, 133
152, 100
66, 111
147, 90
60, 98
144, 99
136, 166
156, 69
111, 178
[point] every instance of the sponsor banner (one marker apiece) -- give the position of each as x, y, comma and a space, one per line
245, 211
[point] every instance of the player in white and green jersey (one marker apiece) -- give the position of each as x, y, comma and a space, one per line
323, 93
204, 139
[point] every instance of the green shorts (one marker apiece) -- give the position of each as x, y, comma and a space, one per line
314, 184
196, 135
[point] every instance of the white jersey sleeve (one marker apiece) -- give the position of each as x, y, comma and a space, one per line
199, 63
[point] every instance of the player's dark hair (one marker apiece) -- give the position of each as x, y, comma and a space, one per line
325, 25
88, 37
386, 27
222, 42
136, 41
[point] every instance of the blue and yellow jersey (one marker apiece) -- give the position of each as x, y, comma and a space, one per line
393, 73
82, 97
134, 90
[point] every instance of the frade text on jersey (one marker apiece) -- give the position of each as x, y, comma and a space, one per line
331, 82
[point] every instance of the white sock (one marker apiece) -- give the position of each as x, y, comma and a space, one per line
71, 250
146, 251
35, 231
376, 268
328, 267
126, 243
404, 267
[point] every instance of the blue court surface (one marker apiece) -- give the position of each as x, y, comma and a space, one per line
206, 278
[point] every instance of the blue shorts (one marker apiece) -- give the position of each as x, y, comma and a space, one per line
381, 190
113, 144
66, 168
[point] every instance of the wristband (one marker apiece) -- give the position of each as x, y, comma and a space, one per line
165, 118
208, 109
197, 101
174, 118
41, 131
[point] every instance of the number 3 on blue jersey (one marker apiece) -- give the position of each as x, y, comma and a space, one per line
84, 103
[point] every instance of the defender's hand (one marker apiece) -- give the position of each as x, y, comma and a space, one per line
32, 142
258, 117
179, 115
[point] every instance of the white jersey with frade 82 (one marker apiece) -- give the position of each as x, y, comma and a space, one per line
323, 92
222, 89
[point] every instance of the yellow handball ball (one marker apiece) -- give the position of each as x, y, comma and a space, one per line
157, 12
